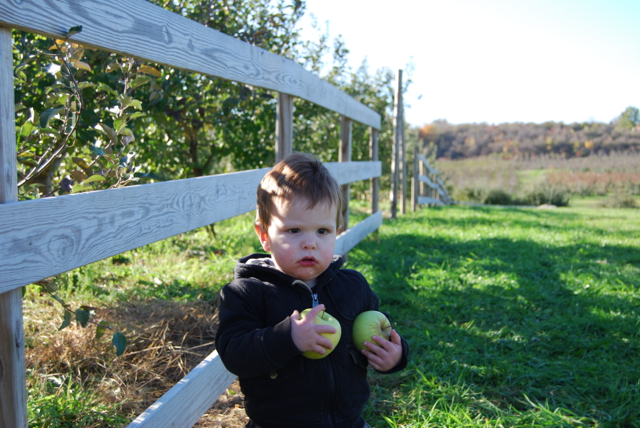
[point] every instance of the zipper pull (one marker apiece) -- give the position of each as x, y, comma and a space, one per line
314, 298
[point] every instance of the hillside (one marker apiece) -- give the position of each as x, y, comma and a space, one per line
526, 140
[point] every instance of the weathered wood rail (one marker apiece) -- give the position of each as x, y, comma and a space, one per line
435, 192
39, 239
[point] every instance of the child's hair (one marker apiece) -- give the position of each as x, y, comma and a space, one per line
298, 176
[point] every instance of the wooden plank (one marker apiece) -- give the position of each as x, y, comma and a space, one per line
424, 200
190, 398
344, 157
426, 163
13, 386
395, 155
284, 126
140, 29
45, 237
375, 181
350, 238
348, 172
428, 182
415, 181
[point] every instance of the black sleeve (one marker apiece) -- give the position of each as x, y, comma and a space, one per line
246, 346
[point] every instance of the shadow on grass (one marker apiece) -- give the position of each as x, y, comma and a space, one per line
512, 318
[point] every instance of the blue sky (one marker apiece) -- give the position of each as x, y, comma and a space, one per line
496, 61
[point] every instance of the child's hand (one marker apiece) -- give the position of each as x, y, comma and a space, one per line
384, 354
307, 335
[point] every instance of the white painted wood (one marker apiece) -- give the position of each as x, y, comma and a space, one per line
423, 200
350, 238
395, 151
140, 29
375, 182
344, 157
13, 387
190, 398
425, 179
348, 172
44, 237
284, 126
426, 163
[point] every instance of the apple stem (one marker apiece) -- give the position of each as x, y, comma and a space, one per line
322, 316
389, 326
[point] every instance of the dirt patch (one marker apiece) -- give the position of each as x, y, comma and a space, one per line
166, 340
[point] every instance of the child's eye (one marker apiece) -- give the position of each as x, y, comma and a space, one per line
323, 231
294, 230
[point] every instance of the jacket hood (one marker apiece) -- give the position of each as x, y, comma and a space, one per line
260, 266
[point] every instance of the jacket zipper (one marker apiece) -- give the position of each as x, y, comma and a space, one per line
314, 296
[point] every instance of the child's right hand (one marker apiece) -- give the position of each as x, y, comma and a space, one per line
307, 335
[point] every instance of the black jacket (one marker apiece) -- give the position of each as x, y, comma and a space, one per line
282, 388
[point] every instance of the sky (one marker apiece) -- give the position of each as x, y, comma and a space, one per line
495, 61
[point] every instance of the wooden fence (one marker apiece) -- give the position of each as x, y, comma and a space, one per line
427, 186
44, 237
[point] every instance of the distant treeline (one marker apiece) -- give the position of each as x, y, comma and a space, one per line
528, 139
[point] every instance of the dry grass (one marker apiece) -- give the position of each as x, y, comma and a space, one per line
166, 339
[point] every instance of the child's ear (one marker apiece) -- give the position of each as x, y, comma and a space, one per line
263, 236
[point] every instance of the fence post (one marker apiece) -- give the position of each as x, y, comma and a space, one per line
403, 144
415, 187
373, 155
395, 158
344, 155
284, 126
13, 387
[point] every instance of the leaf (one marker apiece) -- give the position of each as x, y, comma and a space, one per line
110, 133
140, 80
46, 116
74, 30
112, 67
120, 342
82, 164
80, 65
77, 175
67, 320
137, 114
82, 316
97, 150
27, 128
100, 329
93, 179
85, 85
150, 70
81, 188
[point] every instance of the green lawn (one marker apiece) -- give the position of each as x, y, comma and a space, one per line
515, 317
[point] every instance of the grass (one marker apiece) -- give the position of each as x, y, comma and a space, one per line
515, 317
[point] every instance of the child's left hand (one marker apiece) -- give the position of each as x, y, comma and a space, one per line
384, 354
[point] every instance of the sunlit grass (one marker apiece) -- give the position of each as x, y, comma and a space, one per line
516, 317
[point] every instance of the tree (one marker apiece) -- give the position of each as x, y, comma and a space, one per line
629, 118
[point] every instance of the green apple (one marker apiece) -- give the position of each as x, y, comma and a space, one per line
323, 318
369, 324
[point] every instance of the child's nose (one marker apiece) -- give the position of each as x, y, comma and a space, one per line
309, 243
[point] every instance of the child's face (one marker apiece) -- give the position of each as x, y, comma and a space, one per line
301, 240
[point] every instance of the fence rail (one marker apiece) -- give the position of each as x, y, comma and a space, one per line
45, 237
436, 192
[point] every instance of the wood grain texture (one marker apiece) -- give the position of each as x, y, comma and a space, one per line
190, 398
140, 29
284, 126
350, 238
45, 237
13, 387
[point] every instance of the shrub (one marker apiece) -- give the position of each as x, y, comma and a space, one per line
620, 200
497, 197
546, 193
